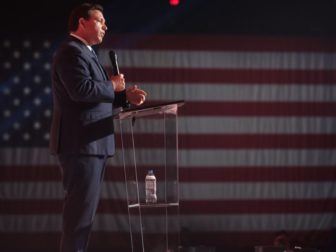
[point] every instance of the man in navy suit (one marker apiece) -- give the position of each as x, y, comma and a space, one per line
82, 135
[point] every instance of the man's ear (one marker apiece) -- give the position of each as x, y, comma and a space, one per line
81, 22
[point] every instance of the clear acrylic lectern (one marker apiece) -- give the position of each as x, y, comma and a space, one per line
149, 139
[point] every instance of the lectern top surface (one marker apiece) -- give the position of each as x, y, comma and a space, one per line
150, 109
152, 105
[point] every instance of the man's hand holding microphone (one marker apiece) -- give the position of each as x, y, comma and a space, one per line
134, 95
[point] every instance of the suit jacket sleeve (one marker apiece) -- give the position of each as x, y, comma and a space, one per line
120, 99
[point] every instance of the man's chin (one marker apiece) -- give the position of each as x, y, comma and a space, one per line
98, 41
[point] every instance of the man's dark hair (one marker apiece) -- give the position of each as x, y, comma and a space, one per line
81, 11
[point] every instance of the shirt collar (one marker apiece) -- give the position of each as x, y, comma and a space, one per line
81, 39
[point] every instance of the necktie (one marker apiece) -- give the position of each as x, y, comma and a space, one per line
94, 53
97, 61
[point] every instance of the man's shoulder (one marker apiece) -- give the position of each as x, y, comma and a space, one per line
70, 47
72, 44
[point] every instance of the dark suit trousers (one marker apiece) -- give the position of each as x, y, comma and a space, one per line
82, 180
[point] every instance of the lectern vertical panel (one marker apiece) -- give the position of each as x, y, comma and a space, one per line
153, 226
171, 158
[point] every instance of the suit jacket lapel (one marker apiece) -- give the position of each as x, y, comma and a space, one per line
102, 70
93, 56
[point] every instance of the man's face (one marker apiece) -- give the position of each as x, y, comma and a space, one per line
95, 27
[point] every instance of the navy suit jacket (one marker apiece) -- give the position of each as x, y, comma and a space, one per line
83, 101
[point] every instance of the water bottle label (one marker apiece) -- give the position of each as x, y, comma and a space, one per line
150, 186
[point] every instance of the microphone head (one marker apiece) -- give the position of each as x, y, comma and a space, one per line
113, 55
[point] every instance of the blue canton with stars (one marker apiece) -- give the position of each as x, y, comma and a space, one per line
25, 92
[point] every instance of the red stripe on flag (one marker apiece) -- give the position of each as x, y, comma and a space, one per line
31, 206
27, 173
267, 206
228, 76
237, 141
188, 207
313, 238
205, 108
120, 241
258, 174
49, 241
186, 174
220, 43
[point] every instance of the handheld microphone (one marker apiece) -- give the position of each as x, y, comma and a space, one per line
115, 68
114, 62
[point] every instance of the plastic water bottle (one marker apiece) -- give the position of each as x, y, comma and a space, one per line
150, 185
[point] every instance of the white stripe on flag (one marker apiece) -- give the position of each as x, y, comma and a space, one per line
188, 191
193, 158
238, 158
204, 223
235, 92
242, 125
220, 59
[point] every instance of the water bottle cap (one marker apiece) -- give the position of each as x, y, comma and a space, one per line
150, 172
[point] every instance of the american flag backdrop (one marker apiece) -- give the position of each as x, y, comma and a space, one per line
257, 142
